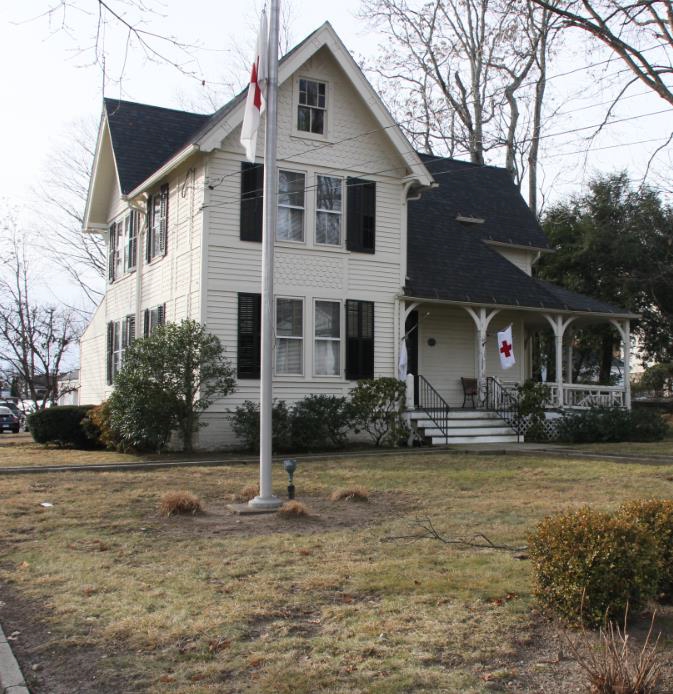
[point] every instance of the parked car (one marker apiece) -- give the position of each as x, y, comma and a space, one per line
9, 421
16, 410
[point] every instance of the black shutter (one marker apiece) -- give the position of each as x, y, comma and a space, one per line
360, 215
146, 323
252, 191
161, 314
163, 220
249, 335
359, 340
131, 330
132, 240
108, 361
150, 224
112, 245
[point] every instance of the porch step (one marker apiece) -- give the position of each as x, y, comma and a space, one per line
464, 427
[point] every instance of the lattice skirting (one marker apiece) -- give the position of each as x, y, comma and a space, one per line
549, 427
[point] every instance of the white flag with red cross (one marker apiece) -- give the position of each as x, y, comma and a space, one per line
505, 348
256, 101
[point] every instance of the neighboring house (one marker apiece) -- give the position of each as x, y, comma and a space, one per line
374, 242
68, 388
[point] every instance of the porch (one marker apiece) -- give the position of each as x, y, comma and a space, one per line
449, 341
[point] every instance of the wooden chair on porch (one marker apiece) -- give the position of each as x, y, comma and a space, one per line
470, 390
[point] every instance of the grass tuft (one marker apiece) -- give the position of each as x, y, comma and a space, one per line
293, 509
356, 493
250, 491
179, 502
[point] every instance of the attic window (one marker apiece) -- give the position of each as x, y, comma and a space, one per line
469, 221
312, 106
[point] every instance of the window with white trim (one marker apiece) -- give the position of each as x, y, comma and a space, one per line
131, 244
291, 185
120, 335
327, 349
289, 336
328, 210
312, 106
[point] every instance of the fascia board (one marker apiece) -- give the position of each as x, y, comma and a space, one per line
160, 173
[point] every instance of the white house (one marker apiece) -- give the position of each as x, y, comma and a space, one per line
375, 244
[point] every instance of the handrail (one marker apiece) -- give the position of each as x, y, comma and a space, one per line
433, 404
504, 403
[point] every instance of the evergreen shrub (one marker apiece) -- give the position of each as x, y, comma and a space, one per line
611, 424
62, 425
589, 564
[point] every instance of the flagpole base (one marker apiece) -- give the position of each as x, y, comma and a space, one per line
268, 502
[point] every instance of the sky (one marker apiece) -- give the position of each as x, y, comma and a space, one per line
52, 77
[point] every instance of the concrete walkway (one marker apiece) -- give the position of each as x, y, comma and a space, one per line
526, 449
11, 679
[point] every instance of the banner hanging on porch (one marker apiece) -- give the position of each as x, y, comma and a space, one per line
505, 348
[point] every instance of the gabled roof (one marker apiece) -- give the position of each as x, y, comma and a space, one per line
145, 137
451, 260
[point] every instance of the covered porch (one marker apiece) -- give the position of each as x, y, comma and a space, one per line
451, 342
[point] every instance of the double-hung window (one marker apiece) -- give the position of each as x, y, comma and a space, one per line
327, 347
328, 210
312, 106
120, 335
290, 206
289, 336
152, 318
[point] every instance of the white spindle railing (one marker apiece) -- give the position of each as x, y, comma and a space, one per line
586, 395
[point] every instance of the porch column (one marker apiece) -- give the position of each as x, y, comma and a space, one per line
624, 330
569, 364
559, 326
482, 321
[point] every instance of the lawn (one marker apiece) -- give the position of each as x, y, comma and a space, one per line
108, 596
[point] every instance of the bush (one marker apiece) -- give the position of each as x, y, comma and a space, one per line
179, 502
98, 427
245, 422
589, 564
320, 421
657, 378
611, 424
377, 407
62, 425
656, 517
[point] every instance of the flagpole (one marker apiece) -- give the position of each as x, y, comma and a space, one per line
266, 499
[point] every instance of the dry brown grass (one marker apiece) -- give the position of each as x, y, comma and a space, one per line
355, 493
250, 491
180, 503
293, 509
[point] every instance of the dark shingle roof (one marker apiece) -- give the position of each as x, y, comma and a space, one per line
451, 260
145, 137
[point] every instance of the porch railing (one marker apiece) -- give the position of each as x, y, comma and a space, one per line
586, 395
503, 402
433, 405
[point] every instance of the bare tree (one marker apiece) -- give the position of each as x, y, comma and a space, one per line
457, 73
34, 338
639, 32
62, 197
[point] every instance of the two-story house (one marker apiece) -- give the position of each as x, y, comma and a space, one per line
375, 244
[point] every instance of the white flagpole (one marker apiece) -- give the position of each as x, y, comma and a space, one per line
266, 499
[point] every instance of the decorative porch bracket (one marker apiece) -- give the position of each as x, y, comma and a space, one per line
558, 325
624, 330
482, 321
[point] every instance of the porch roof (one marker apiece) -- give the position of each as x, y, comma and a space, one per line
451, 260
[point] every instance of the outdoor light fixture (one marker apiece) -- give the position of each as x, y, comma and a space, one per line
290, 466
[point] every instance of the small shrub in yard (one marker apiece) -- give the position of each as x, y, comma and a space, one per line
61, 425
588, 564
377, 407
320, 421
533, 397
611, 424
179, 502
98, 427
245, 423
293, 509
656, 516
355, 493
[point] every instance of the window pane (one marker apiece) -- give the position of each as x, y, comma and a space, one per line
291, 188
327, 358
329, 193
290, 224
304, 119
317, 121
328, 228
288, 356
311, 93
302, 91
327, 319
289, 317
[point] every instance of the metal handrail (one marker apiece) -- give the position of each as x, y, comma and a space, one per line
504, 403
433, 404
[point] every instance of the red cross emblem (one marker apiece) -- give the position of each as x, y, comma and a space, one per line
506, 349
